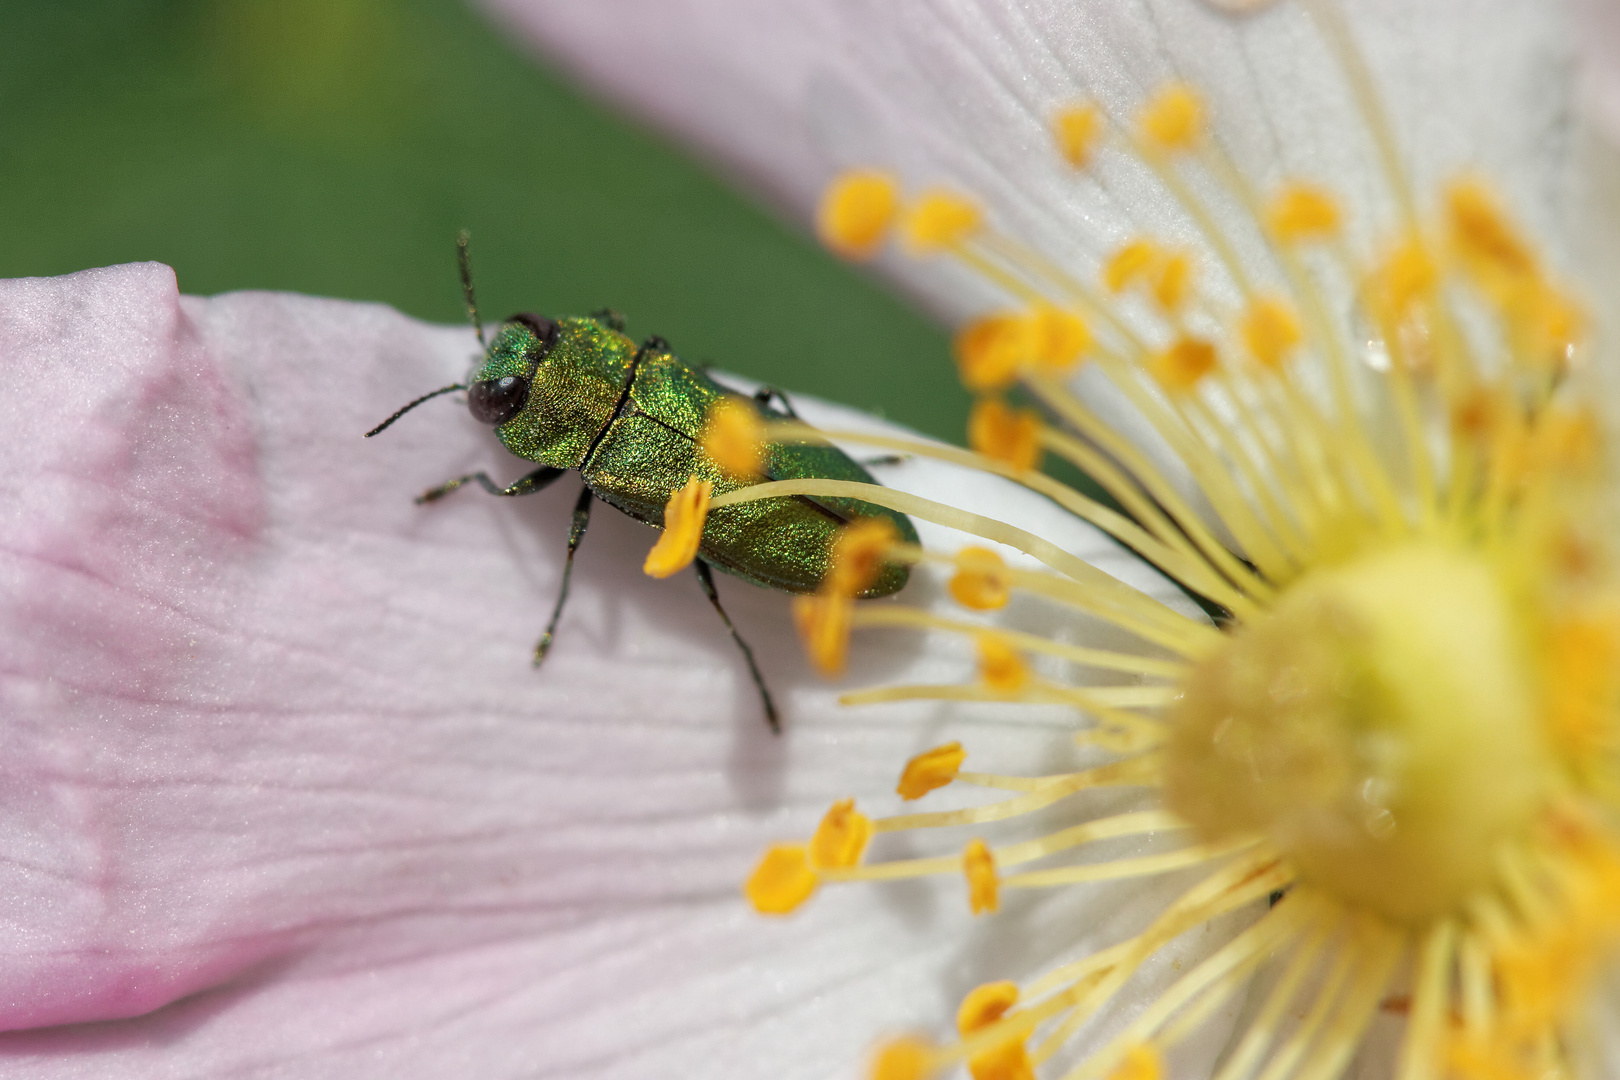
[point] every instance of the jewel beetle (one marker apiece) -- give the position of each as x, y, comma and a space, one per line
574, 394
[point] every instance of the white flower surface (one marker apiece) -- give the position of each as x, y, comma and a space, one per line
283, 797
961, 92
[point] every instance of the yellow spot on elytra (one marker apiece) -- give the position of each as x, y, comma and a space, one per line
841, 838
1184, 364
983, 1006
989, 351
1270, 331
782, 881
981, 581
858, 210
1141, 1062
1173, 119
999, 431
1302, 212
823, 621
940, 219
1133, 262
1078, 129
1001, 667
684, 515
929, 770
734, 436
984, 887
908, 1058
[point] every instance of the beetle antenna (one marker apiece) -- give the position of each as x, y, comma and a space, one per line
414, 404
464, 261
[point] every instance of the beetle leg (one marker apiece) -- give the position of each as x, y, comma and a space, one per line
762, 398
576, 533
706, 579
653, 344
523, 485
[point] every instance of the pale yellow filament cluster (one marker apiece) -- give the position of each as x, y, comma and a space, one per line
1396, 745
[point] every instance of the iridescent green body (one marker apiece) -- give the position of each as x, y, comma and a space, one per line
630, 420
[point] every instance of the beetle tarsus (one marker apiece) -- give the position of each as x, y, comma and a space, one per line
706, 579
576, 533
527, 484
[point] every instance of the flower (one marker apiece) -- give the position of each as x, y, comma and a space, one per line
1397, 504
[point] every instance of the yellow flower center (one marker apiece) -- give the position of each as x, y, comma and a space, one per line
1379, 726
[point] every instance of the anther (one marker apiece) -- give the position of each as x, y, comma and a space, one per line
999, 431
981, 581
841, 838
782, 881
734, 436
1301, 212
908, 1058
929, 770
990, 350
1078, 129
1001, 668
1173, 119
1270, 331
984, 887
1184, 364
857, 213
939, 220
684, 515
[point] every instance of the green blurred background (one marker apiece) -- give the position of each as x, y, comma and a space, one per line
334, 147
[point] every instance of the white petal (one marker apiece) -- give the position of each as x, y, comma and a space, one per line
277, 768
788, 93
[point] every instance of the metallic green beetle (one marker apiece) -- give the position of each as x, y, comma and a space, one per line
576, 393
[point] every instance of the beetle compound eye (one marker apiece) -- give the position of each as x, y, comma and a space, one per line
495, 401
543, 328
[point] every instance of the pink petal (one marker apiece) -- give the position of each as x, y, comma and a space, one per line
282, 795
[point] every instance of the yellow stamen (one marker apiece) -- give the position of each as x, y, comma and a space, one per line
1173, 281
841, 838
1173, 119
782, 881
823, 622
1004, 433
940, 219
858, 210
1482, 234
1001, 667
1303, 212
981, 581
929, 770
989, 351
903, 1059
1271, 331
862, 549
1056, 338
984, 1006
1141, 1063
1130, 264
684, 514
1078, 129
1408, 276
1184, 364
979, 866
734, 436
